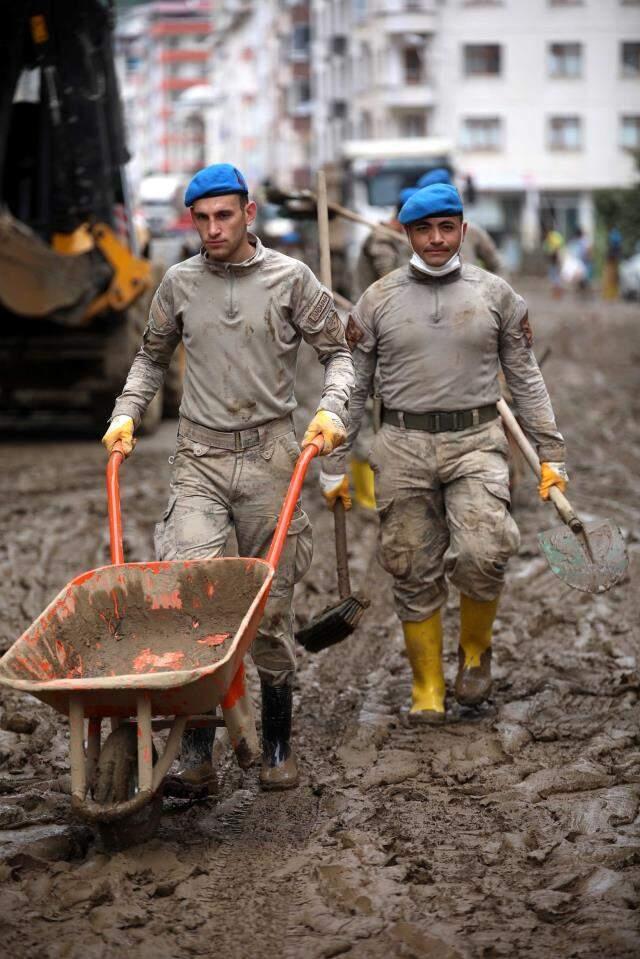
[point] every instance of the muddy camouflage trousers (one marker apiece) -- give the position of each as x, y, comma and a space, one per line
443, 499
216, 490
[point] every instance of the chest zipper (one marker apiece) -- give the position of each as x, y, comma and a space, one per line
436, 312
231, 309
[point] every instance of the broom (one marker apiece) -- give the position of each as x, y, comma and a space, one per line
336, 622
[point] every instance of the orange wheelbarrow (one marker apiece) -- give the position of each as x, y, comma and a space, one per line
149, 646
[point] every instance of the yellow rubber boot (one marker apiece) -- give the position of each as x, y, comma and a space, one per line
363, 484
473, 682
424, 648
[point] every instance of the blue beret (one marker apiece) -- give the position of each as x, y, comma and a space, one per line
441, 199
406, 193
215, 180
439, 175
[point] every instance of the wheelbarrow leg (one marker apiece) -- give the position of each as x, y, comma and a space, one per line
145, 744
93, 749
239, 720
77, 754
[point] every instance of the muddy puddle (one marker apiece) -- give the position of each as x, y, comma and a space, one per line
510, 831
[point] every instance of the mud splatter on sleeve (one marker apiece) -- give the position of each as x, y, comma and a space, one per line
161, 336
316, 318
525, 381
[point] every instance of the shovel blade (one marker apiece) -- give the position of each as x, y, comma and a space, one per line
569, 558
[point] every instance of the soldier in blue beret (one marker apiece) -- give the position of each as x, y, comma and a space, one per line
436, 332
241, 311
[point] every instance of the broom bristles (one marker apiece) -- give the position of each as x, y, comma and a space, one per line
332, 625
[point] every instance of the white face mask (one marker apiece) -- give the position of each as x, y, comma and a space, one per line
453, 264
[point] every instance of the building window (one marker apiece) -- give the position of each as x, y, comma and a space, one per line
412, 65
564, 59
300, 38
630, 59
482, 59
565, 133
299, 96
481, 133
360, 10
630, 132
413, 125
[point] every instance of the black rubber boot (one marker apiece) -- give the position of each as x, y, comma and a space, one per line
279, 767
197, 777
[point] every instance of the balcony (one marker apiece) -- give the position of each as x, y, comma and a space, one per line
398, 17
186, 55
408, 95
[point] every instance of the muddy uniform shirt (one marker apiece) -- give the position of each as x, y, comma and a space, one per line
241, 325
438, 344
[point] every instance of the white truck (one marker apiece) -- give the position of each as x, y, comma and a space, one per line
161, 199
371, 176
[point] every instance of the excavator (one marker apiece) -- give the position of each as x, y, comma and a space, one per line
75, 287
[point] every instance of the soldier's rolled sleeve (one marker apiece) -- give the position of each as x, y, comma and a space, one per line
160, 338
316, 317
361, 339
525, 381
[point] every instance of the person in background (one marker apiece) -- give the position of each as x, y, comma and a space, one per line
611, 272
553, 247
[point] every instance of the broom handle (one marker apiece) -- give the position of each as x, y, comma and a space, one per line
339, 520
342, 561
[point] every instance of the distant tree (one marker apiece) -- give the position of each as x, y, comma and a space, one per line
620, 208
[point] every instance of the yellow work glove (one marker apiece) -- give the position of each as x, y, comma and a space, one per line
335, 488
120, 428
327, 425
552, 474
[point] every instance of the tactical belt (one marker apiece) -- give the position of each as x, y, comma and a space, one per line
443, 422
233, 440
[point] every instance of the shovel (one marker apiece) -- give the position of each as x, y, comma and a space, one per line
592, 560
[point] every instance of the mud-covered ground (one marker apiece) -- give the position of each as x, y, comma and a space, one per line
513, 831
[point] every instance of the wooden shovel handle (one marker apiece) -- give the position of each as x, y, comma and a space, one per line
559, 500
342, 560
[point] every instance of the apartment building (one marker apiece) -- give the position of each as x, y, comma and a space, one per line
540, 97
543, 99
164, 58
261, 112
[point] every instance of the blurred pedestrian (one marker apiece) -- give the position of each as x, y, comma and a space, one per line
553, 247
611, 272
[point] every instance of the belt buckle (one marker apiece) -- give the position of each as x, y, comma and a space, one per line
237, 441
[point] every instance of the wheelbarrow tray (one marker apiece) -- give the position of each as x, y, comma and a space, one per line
175, 631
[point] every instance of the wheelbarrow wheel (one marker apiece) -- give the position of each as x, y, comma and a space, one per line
116, 781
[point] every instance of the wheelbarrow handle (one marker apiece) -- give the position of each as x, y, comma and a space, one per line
113, 504
290, 501
284, 520
559, 500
